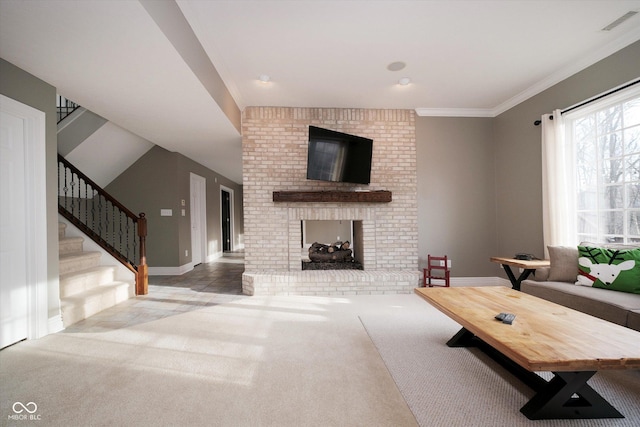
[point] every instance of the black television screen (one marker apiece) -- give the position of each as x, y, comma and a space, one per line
339, 157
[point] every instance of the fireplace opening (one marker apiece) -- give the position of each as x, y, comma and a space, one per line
331, 245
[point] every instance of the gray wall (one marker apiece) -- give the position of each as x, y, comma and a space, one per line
160, 180
456, 192
480, 180
24, 87
76, 128
213, 183
518, 158
151, 184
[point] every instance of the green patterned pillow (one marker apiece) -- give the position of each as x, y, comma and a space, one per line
609, 268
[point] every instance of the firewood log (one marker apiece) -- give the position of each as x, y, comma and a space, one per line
318, 248
338, 256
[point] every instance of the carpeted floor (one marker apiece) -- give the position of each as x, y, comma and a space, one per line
464, 387
188, 355
249, 361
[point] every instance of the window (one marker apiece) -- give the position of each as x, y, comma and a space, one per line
605, 137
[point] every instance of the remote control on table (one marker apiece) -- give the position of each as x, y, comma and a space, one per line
508, 318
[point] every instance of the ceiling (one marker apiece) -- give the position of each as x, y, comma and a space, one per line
177, 73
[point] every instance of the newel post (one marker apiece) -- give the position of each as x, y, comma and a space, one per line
142, 278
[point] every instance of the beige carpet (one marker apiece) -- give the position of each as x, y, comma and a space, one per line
464, 387
286, 361
280, 361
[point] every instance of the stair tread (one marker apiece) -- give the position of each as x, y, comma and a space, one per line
70, 244
83, 305
71, 239
86, 286
79, 255
97, 290
96, 269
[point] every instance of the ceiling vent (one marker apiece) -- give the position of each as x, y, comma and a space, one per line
619, 20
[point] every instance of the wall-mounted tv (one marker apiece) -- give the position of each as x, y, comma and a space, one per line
338, 157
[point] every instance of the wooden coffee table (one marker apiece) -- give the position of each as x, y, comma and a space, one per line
543, 337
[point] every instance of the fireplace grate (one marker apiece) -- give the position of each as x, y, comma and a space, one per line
310, 265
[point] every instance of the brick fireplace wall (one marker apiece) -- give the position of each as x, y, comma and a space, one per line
274, 145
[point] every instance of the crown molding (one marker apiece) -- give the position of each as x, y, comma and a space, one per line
555, 78
455, 112
564, 73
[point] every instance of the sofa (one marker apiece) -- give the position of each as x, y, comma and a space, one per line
558, 284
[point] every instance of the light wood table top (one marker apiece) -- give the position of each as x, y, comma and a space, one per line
544, 336
522, 263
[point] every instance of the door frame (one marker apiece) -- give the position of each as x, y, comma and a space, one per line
231, 213
35, 211
200, 185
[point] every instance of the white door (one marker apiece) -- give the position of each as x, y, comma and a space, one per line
14, 308
198, 219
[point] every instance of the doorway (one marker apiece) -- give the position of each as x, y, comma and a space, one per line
198, 194
23, 236
226, 218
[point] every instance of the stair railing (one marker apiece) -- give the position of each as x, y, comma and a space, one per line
65, 107
104, 219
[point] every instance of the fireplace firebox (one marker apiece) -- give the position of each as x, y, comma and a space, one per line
331, 245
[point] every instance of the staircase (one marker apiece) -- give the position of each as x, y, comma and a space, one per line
86, 286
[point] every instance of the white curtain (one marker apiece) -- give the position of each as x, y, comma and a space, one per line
558, 187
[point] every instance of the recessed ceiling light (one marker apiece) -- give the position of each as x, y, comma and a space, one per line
396, 66
404, 81
264, 78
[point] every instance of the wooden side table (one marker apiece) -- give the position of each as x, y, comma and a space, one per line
527, 266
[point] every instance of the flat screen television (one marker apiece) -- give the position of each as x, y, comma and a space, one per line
338, 157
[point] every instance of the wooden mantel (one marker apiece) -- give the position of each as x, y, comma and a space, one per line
381, 196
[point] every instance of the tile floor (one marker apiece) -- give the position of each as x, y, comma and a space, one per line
207, 284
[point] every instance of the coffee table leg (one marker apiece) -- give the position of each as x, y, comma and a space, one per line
568, 395
515, 283
463, 338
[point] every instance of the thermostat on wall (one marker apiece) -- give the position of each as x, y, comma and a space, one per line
166, 212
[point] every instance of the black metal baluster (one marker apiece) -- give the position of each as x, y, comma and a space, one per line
95, 198
120, 230
136, 255
86, 202
73, 198
128, 245
113, 225
104, 222
66, 188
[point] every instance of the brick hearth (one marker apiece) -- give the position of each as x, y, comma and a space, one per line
274, 159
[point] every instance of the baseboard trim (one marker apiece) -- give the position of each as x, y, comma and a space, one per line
480, 281
54, 324
170, 271
214, 256
185, 268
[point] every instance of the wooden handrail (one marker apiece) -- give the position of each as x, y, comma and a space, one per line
139, 268
142, 278
96, 187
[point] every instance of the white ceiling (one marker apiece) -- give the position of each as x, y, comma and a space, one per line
464, 58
